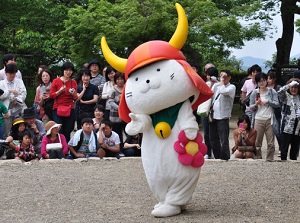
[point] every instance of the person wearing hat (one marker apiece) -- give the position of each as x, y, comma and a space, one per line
97, 78
17, 127
14, 95
54, 145
35, 127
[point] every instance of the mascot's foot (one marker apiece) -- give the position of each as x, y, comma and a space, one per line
158, 205
166, 210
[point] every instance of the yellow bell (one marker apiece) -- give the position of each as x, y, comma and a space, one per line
163, 130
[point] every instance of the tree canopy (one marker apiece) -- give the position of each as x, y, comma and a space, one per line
48, 32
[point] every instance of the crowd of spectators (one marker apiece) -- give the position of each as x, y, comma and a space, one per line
73, 115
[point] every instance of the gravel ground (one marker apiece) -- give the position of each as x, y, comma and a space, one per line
112, 190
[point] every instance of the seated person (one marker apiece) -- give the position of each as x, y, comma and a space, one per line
17, 127
84, 143
35, 127
25, 151
109, 141
132, 145
99, 116
58, 141
244, 138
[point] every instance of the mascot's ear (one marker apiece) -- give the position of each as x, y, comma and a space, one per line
205, 91
123, 108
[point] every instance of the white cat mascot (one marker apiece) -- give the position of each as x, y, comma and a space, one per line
158, 100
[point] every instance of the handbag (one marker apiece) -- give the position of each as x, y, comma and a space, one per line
210, 116
54, 146
204, 108
211, 111
64, 111
245, 148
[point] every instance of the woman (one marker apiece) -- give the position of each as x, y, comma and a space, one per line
64, 92
272, 83
290, 125
42, 97
54, 144
244, 139
107, 88
262, 102
99, 117
113, 101
87, 96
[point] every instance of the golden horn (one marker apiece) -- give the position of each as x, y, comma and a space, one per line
179, 37
116, 62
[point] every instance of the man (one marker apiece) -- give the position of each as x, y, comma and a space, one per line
96, 79
35, 127
249, 85
222, 102
9, 59
14, 95
84, 143
109, 141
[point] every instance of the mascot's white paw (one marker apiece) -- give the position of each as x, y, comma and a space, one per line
190, 134
158, 205
166, 210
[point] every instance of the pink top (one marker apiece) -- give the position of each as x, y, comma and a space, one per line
46, 140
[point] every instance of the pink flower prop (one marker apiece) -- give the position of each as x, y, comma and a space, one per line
190, 152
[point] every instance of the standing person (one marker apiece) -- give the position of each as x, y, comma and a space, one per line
272, 83
37, 99
42, 96
97, 78
249, 86
222, 101
211, 79
14, 95
35, 127
262, 102
108, 88
9, 59
53, 137
64, 92
87, 96
244, 139
290, 124
113, 101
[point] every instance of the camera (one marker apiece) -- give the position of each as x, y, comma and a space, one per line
71, 90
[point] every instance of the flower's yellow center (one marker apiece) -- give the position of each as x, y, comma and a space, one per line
191, 148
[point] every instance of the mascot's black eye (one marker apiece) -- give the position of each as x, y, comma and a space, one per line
136, 79
158, 69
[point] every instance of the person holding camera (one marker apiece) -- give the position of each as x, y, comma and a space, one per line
64, 92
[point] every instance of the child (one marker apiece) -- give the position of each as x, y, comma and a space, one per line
25, 151
84, 142
109, 141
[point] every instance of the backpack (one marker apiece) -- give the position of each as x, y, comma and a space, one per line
81, 139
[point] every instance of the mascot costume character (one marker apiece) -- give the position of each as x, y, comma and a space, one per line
158, 100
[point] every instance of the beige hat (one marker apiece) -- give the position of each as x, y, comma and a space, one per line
50, 125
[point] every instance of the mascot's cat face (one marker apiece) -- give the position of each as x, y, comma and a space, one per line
158, 86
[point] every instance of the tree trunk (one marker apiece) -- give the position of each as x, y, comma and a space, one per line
284, 44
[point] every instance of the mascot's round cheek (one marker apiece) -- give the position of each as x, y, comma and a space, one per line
163, 130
